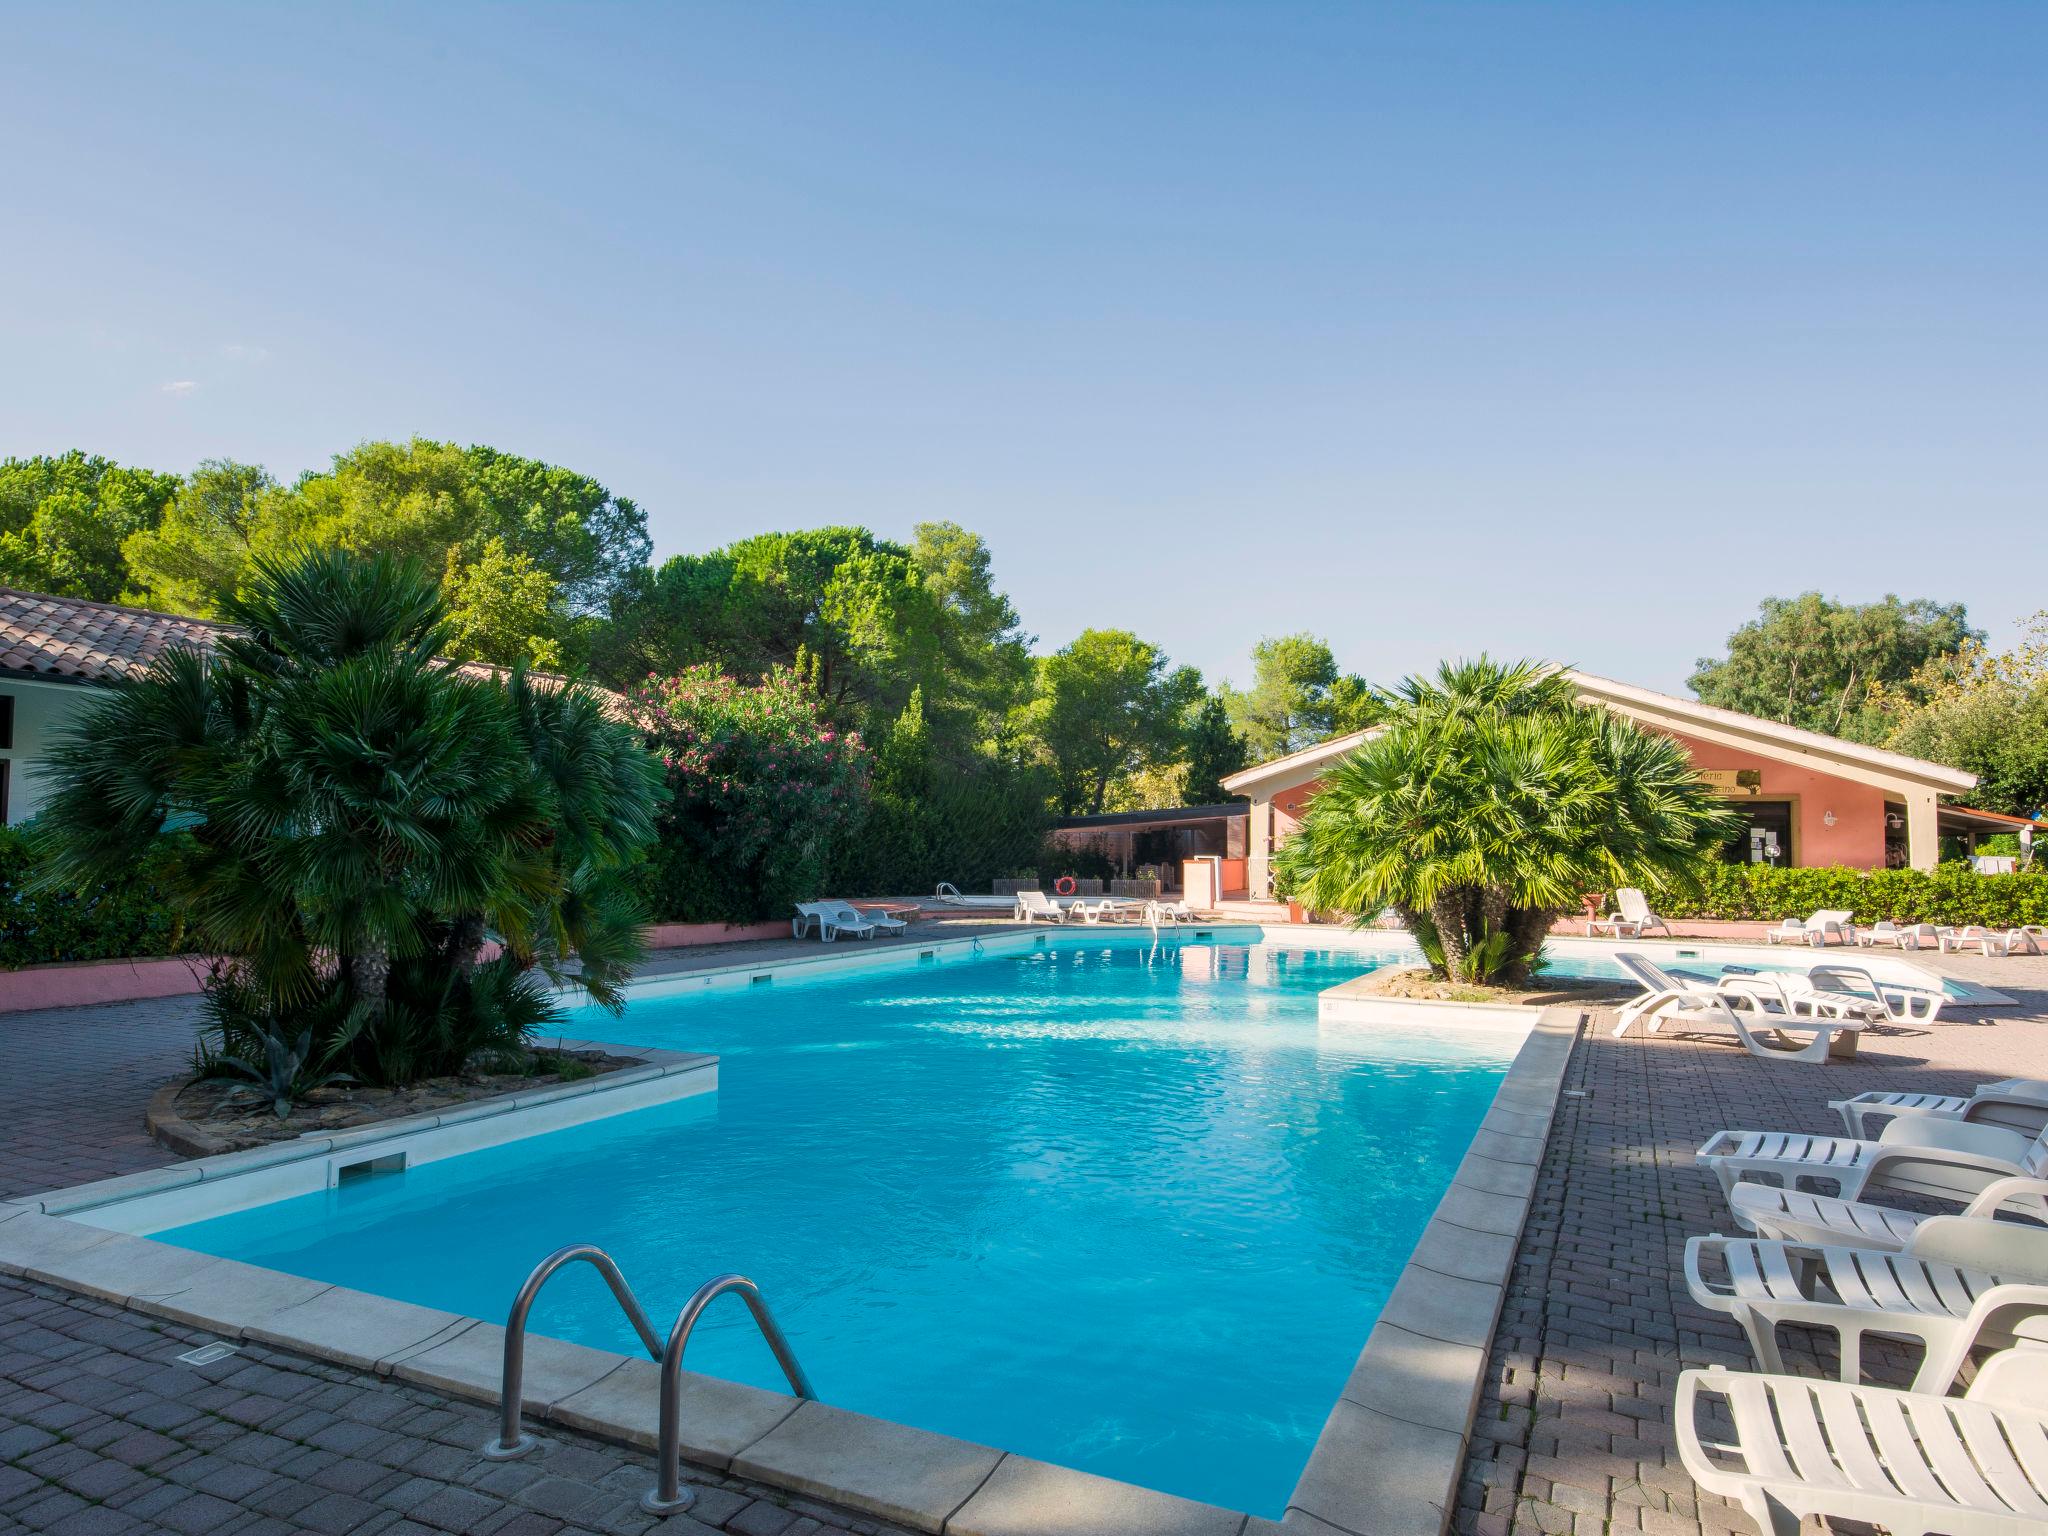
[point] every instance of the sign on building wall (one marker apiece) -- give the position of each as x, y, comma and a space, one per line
1735, 781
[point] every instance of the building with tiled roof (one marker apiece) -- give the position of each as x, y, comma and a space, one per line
50, 646
71, 640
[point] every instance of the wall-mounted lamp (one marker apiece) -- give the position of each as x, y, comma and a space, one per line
1827, 819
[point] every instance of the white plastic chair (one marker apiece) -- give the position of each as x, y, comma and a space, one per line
1907, 1461
1946, 1159
1794, 1216
2017, 1103
1958, 1283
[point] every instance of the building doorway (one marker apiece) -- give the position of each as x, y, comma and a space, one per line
1765, 836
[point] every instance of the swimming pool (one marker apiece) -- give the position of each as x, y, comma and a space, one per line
1113, 1204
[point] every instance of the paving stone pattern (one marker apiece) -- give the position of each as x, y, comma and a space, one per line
1574, 1434
104, 1433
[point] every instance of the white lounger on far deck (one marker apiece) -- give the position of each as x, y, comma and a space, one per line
950, 895
833, 918
1033, 905
1694, 1005
1910, 1462
1634, 915
1815, 929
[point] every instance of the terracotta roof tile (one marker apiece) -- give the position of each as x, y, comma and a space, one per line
68, 639
73, 640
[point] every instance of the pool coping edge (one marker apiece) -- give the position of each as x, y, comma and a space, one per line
1388, 1460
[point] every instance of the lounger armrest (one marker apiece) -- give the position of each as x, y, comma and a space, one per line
1995, 1195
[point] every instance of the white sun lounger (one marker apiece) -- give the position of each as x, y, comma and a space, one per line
2028, 938
833, 918
1815, 929
1110, 909
950, 895
1693, 1005
1033, 905
1903, 935
1946, 1159
1958, 1284
2017, 1103
1909, 1462
1793, 1216
1903, 1002
1164, 912
1634, 915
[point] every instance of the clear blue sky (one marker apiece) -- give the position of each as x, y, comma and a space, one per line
1558, 329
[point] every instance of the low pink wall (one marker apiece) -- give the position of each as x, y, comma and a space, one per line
1857, 837
98, 981
684, 935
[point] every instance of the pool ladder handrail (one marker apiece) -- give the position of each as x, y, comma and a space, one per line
668, 1495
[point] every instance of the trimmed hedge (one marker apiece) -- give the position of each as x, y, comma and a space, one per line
112, 922
1953, 893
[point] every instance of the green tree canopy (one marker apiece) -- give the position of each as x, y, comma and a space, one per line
445, 506
1812, 662
63, 521
1982, 711
1489, 806
1105, 707
1297, 697
864, 622
1215, 750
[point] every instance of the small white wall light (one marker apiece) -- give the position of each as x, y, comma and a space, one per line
1828, 819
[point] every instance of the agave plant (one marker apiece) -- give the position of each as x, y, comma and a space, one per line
1489, 806
281, 1076
363, 817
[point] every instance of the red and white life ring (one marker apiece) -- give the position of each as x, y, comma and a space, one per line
1064, 885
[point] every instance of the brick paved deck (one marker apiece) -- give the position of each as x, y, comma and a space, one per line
100, 1433
104, 1433
1574, 1435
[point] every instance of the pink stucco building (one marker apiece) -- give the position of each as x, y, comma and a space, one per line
1809, 799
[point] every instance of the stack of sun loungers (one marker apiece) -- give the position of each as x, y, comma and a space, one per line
1967, 1283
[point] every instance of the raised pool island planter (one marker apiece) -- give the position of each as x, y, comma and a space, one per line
1386, 1462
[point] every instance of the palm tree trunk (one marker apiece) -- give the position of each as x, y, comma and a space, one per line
1527, 928
1447, 914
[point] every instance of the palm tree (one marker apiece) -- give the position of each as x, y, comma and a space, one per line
363, 818
1493, 802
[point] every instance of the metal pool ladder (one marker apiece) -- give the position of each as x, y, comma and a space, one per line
668, 1495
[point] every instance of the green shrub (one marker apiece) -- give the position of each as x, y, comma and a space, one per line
1952, 893
107, 920
969, 828
762, 793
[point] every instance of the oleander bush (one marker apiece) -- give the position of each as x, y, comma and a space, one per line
762, 792
1952, 893
99, 920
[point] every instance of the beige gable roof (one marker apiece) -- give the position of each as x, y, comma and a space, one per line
1892, 771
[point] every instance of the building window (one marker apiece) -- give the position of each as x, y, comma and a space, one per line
6, 722
1765, 835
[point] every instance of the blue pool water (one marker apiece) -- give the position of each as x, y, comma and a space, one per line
1122, 1208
